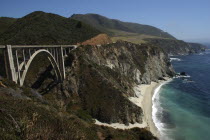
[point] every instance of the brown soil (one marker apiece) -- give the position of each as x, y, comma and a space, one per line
98, 40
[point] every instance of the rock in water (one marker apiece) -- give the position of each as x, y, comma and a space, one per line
183, 73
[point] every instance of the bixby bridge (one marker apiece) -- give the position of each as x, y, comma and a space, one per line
18, 59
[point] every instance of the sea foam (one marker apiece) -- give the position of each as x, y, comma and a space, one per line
156, 108
182, 76
175, 59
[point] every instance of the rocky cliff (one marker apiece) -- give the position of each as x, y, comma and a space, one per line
103, 77
177, 47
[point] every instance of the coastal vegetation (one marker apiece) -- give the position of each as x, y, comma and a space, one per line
5, 23
115, 27
39, 28
25, 114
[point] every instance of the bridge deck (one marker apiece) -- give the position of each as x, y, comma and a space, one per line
38, 46
2, 46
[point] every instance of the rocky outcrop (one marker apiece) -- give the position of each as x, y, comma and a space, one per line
140, 63
196, 47
100, 79
176, 47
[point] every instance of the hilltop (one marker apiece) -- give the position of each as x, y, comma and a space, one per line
45, 28
115, 27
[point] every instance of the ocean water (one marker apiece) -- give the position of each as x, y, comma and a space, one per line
181, 107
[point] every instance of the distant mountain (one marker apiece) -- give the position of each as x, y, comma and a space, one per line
5, 23
46, 28
115, 27
176, 47
138, 33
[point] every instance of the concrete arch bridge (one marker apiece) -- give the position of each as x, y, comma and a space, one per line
19, 58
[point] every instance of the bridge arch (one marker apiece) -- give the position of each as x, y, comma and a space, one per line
51, 59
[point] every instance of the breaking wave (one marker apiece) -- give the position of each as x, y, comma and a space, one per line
157, 111
175, 59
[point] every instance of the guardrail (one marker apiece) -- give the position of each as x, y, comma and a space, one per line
38, 46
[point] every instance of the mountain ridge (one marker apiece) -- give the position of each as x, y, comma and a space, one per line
39, 28
138, 33
105, 24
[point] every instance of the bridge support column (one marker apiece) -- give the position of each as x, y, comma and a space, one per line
18, 69
29, 52
9, 61
24, 58
65, 54
61, 62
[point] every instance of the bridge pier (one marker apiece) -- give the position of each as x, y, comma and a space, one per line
9, 64
61, 62
29, 52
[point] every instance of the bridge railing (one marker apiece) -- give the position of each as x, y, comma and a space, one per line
2, 46
38, 46
42, 46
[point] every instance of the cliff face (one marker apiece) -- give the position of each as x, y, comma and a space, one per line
109, 73
139, 63
196, 47
102, 78
177, 47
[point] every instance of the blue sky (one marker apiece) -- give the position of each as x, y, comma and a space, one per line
185, 19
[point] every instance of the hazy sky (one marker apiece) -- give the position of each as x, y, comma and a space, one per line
185, 19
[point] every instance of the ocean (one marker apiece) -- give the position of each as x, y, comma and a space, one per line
181, 107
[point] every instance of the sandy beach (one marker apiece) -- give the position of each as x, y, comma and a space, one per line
143, 99
148, 91
144, 95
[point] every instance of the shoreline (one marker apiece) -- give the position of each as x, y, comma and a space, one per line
149, 91
147, 107
144, 93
